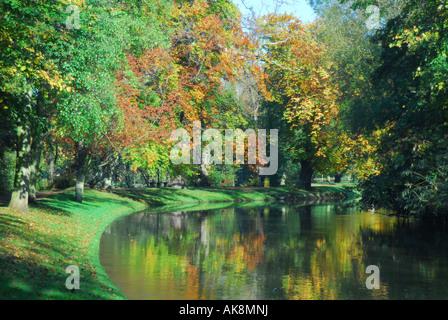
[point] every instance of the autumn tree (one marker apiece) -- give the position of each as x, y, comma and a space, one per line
193, 77
300, 85
347, 34
89, 114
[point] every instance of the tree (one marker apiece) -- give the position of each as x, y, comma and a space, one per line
194, 77
300, 84
353, 57
90, 115
411, 100
29, 75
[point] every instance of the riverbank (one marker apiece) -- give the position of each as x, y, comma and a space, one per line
37, 247
171, 196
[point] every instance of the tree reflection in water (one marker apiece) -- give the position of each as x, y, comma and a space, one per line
275, 252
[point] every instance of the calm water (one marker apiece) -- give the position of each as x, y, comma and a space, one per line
277, 252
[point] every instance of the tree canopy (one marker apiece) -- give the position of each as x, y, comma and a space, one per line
91, 90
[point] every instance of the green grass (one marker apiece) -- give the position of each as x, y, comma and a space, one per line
171, 196
37, 247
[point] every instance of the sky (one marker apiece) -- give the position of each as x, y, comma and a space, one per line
300, 8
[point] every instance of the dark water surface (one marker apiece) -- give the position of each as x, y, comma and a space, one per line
275, 252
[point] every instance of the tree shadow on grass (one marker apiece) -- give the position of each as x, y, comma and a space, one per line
9, 220
43, 207
158, 197
8, 223
33, 265
168, 196
30, 239
64, 204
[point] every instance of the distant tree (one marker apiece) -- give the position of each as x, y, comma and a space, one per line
300, 84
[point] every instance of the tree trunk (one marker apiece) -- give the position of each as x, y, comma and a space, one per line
146, 177
80, 175
52, 160
158, 179
283, 180
262, 179
337, 178
51, 170
204, 172
129, 176
20, 194
36, 147
108, 174
107, 183
203, 176
306, 175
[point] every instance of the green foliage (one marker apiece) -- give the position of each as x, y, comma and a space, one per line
64, 181
411, 184
222, 175
412, 96
7, 167
292, 171
89, 112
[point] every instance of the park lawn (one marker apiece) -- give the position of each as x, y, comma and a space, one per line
37, 247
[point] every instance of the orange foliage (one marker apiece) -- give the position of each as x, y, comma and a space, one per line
143, 121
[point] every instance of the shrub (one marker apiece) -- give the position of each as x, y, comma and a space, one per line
64, 181
419, 189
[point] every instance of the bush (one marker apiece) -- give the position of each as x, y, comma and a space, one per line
42, 184
64, 181
222, 176
254, 182
420, 189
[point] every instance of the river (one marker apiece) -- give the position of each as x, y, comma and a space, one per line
276, 252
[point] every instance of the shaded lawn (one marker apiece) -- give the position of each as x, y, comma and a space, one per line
168, 196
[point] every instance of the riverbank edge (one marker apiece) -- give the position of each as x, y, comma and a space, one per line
131, 201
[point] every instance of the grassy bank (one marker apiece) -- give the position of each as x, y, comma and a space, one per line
170, 196
37, 247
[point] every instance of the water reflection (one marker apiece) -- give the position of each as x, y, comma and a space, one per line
282, 252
